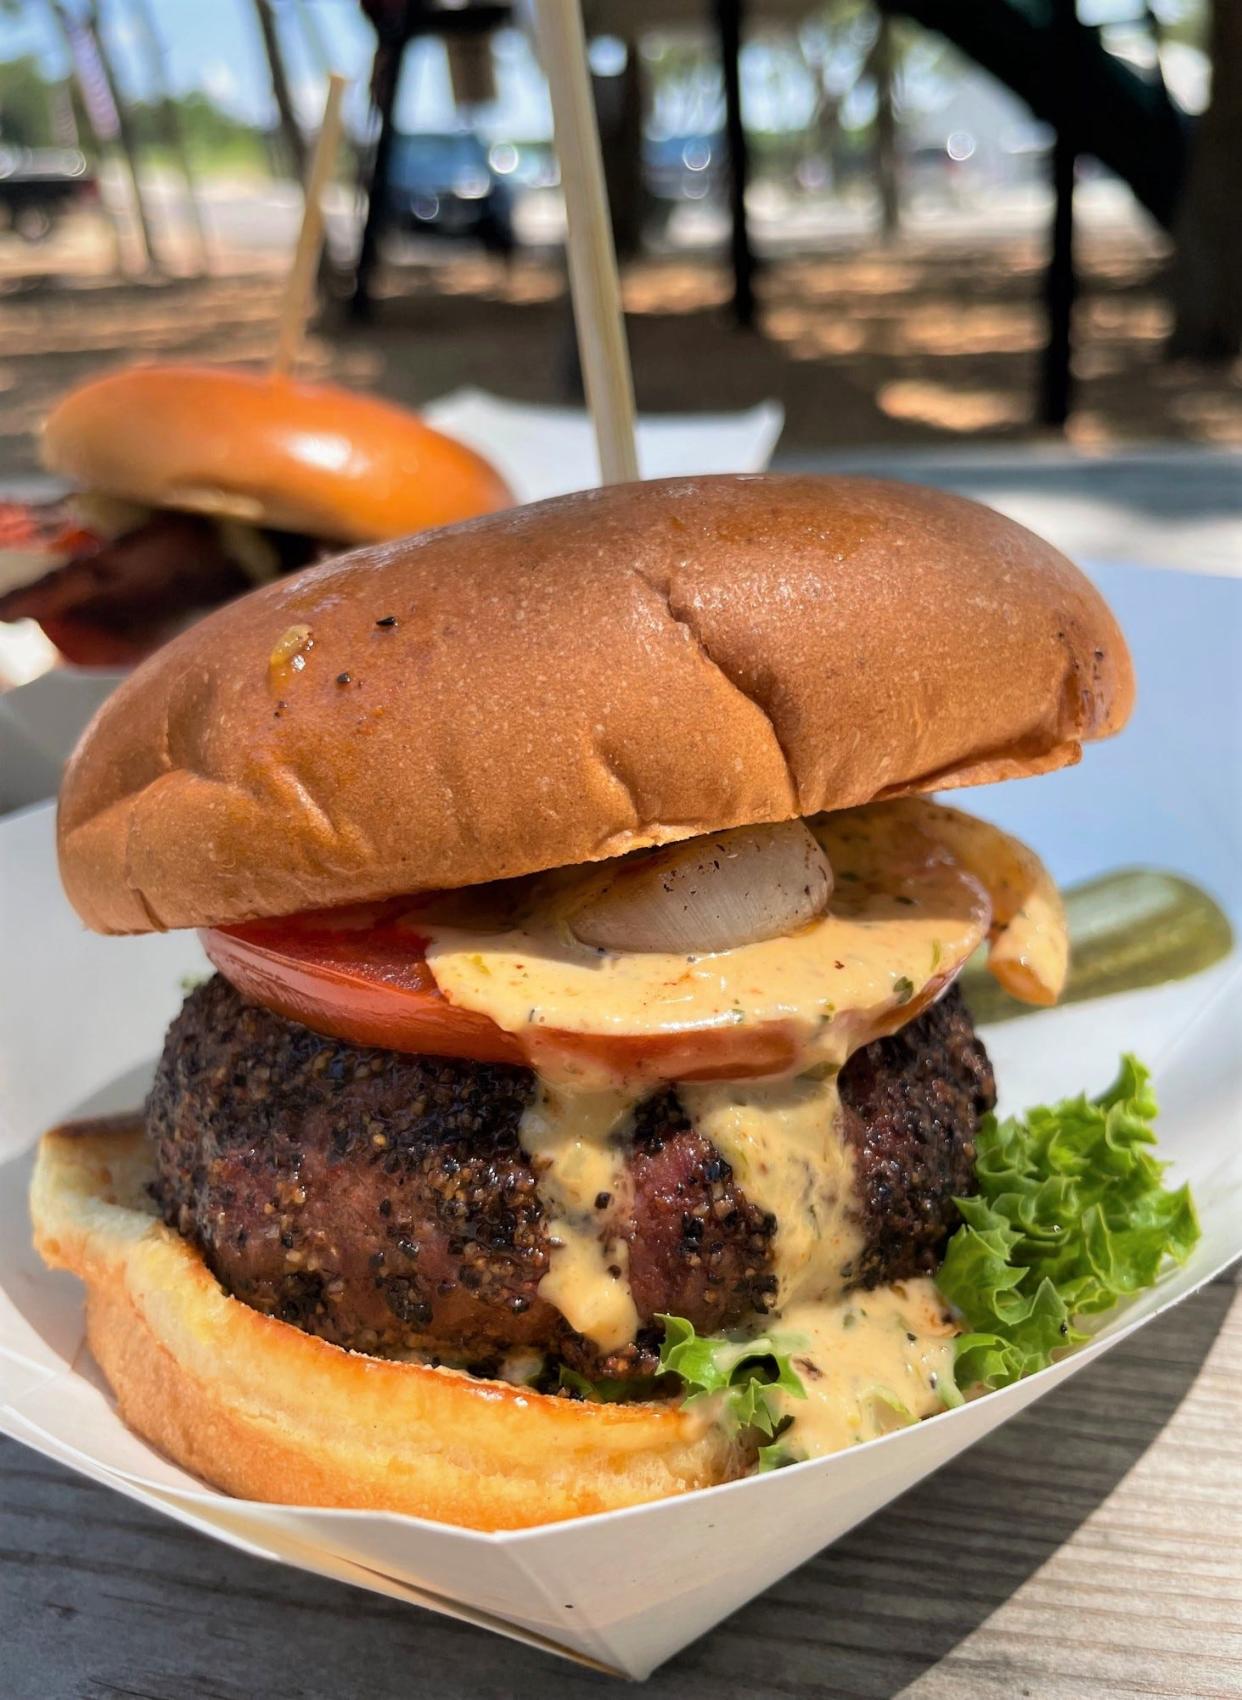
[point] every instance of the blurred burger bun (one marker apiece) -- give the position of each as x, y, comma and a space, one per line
266, 450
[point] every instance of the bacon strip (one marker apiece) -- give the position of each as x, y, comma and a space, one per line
109, 601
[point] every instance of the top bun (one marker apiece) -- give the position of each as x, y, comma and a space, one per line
574, 679
243, 445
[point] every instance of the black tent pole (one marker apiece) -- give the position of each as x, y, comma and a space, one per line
388, 57
729, 26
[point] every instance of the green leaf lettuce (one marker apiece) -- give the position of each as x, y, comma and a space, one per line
1070, 1218
746, 1373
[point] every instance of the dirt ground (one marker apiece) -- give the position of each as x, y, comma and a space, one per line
917, 344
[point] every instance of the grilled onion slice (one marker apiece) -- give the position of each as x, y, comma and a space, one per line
707, 894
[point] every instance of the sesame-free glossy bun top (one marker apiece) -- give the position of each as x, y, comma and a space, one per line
571, 680
314, 458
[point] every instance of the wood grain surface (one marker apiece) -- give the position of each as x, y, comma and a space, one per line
1092, 1547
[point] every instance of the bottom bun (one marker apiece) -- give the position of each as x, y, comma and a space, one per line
260, 1409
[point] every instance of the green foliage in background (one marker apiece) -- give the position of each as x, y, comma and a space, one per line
27, 106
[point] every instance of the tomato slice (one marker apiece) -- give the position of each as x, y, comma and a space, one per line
356, 974
368, 984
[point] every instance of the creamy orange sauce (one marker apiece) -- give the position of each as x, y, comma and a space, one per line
871, 1362
782, 1140
915, 890
575, 1143
905, 916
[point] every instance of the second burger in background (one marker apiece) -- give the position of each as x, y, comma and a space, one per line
196, 483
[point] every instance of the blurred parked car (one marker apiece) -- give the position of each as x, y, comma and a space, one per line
38, 186
445, 184
684, 168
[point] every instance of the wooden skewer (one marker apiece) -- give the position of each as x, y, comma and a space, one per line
296, 301
593, 278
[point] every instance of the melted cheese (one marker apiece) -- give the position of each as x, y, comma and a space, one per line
575, 1143
872, 1362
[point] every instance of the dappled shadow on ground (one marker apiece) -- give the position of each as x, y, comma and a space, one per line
914, 344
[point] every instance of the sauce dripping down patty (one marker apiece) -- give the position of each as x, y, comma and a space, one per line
905, 917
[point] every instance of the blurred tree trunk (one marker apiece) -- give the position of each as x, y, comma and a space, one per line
88, 26
88, 138
826, 124
64, 117
290, 129
125, 135
1207, 273
170, 118
619, 105
390, 49
886, 166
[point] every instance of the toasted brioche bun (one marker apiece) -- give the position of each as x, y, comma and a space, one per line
572, 680
313, 458
260, 1409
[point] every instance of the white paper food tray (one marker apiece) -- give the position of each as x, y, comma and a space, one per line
81, 1018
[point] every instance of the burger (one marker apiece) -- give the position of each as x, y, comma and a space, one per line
194, 484
582, 1108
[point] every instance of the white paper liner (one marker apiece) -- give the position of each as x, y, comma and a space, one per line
549, 451
81, 1017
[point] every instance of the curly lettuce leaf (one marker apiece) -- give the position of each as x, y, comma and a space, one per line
746, 1373
1070, 1218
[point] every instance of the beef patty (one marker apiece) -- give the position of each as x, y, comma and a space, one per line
383, 1201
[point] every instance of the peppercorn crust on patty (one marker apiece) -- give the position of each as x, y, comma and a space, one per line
383, 1201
